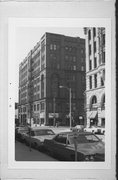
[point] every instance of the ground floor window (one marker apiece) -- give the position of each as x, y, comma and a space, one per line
93, 122
103, 122
42, 120
51, 120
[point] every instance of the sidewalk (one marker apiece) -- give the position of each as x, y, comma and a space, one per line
23, 153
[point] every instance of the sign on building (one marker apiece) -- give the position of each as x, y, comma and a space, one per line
52, 115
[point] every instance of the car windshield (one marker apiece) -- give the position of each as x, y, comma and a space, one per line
42, 132
89, 138
23, 130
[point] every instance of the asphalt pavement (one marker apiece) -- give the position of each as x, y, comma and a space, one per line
23, 153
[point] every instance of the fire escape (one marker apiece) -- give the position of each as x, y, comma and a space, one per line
30, 90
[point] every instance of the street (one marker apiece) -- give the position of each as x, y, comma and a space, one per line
23, 153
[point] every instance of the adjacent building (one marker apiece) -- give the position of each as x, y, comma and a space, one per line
16, 113
95, 76
55, 61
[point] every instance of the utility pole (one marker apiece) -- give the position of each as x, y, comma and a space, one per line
69, 89
70, 108
54, 111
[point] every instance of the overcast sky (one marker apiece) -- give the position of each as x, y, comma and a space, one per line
27, 38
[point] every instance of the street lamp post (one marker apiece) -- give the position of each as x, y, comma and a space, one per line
69, 89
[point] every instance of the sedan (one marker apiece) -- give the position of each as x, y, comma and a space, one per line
101, 129
19, 132
93, 129
36, 137
89, 147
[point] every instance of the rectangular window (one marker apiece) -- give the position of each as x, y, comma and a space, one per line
74, 106
66, 48
103, 40
90, 64
55, 47
94, 32
42, 106
74, 68
37, 107
95, 62
51, 46
73, 78
89, 49
89, 35
34, 107
82, 68
31, 107
95, 80
103, 59
102, 82
94, 46
90, 82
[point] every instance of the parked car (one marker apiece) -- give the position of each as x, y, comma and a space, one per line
101, 129
36, 136
93, 129
19, 131
79, 127
89, 147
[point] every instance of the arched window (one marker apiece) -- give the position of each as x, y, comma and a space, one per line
103, 102
93, 104
94, 100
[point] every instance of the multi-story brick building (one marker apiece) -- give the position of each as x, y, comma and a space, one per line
55, 60
95, 76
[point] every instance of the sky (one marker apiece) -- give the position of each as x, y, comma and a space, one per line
27, 38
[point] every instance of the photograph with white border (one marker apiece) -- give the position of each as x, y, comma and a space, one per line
59, 77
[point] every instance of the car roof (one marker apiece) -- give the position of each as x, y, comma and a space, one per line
40, 128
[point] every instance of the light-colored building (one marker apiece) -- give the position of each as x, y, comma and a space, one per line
95, 76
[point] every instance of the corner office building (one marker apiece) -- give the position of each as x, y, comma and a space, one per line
56, 60
95, 76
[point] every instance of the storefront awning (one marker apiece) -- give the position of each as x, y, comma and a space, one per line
102, 115
92, 115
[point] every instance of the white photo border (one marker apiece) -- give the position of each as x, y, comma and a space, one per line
14, 23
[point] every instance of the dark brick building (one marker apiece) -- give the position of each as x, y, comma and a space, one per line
55, 60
